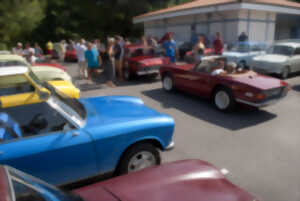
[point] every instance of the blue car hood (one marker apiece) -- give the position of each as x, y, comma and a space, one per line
116, 109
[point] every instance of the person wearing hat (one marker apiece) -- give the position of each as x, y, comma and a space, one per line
18, 50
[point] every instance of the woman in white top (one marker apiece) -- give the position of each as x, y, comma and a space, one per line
199, 48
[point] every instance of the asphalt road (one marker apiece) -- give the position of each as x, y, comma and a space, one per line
260, 149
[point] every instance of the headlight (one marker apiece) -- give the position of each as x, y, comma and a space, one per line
249, 94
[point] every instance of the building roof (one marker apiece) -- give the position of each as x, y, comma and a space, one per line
208, 3
13, 70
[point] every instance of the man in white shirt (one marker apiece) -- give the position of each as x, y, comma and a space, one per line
80, 51
18, 50
220, 69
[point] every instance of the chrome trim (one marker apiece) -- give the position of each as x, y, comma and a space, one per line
264, 104
170, 146
147, 72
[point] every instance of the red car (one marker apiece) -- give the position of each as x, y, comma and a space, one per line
71, 55
191, 180
137, 61
226, 90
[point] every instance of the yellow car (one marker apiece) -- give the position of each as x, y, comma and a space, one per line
20, 86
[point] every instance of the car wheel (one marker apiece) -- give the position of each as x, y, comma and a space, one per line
285, 72
168, 82
223, 99
138, 157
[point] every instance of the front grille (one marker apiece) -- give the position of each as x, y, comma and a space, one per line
276, 93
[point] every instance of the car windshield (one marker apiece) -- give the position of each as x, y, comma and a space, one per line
281, 50
248, 47
28, 188
70, 108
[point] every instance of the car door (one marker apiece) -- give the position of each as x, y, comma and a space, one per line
295, 60
55, 155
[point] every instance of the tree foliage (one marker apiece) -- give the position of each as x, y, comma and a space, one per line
43, 20
19, 18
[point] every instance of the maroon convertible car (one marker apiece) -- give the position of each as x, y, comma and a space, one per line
191, 180
226, 89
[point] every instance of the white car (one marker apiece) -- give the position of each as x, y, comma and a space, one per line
243, 52
282, 58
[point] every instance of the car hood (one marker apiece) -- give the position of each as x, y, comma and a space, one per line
190, 180
235, 54
271, 58
152, 61
257, 81
110, 110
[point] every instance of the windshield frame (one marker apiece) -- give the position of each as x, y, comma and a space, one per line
42, 188
61, 103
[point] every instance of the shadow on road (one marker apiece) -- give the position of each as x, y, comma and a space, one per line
203, 109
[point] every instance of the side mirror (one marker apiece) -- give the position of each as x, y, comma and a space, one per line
44, 95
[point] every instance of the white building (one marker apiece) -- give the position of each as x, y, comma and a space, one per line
262, 20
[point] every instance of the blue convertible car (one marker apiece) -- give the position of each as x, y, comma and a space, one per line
65, 140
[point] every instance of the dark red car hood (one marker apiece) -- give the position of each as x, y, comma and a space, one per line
191, 180
258, 81
150, 60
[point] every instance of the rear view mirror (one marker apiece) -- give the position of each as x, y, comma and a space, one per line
43, 95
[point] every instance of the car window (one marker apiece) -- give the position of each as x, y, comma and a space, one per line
25, 192
297, 51
18, 89
281, 50
12, 63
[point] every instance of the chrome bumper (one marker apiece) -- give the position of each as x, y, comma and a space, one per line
146, 72
170, 146
263, 104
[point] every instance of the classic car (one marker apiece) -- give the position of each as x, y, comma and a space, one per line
20, 86
46, 73
138, 61
71, 54
225, 90
63, 140
189, 180
243, 52
282, 58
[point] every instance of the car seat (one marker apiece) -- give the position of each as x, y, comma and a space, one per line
9, 128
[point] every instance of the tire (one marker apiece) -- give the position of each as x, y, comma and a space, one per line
168, 83
127, 74
223, 99
285, 73
146, 153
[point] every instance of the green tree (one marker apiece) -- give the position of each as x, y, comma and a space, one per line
19, 18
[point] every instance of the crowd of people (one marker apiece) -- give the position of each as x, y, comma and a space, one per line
109, 56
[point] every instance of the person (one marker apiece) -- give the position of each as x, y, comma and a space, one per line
31, 58
243, 37
92, 57
199, 48
127, 42
18, 50
231, 68
38, 50
118, 57
146, 46
170, 48
62, 50
49, 48
220, 69
107, 62
218, 44
80, 51
28, 52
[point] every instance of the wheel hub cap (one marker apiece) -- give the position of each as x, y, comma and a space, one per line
222, 100
140, 161
168, 83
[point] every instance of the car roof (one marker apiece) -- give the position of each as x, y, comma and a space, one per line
290, 44
13, 70
13, 57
